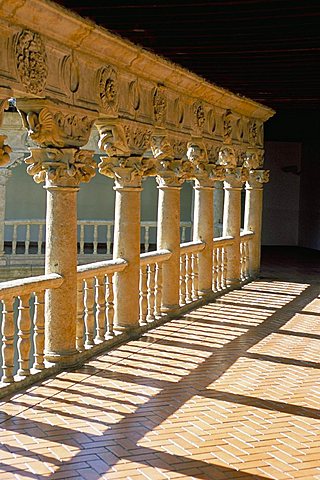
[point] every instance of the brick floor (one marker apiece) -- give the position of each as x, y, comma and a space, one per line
230, 391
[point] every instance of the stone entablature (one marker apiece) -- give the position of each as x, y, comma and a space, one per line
82, 65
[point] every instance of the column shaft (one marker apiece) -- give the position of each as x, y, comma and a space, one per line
203, 231
168, 237
253, 222
231, 227
61, 257
127, 246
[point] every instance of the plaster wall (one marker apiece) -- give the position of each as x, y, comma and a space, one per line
309, 227
281, 194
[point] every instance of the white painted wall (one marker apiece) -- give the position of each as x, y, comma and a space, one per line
281, 194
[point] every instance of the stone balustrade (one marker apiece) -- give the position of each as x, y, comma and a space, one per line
151, 118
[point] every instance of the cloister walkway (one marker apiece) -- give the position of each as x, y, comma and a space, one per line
229, 391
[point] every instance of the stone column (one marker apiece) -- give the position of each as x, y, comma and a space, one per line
232, 222
205, 175
127, 171
253, 216
62, 168
5, 174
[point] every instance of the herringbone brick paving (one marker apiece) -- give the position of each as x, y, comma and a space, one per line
229, 391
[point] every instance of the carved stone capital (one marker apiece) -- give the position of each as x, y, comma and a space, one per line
235, 178
252, 159
65, 167
257, 178
169, 179
5, 174
227, 157
197, 155
51, 125
5, 151
113, 139
161, 148
126, 171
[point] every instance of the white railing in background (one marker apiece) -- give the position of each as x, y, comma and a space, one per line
95, 302
245, 238
23, 331
150, 295
27, 237
189, 271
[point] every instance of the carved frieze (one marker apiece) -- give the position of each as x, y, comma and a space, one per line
65, 167
159, 105
108, 89
31, 61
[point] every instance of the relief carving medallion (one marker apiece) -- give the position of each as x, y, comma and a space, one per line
31, 61
227, 127
108, 89
253, 132
159, 105
199, 116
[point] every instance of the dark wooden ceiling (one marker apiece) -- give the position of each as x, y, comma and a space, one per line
266, 50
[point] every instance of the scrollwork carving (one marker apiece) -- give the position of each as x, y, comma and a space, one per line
31, 61
50, 128
65, 167
138, 137
257, 178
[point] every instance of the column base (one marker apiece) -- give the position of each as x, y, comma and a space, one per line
169, 309
62, 358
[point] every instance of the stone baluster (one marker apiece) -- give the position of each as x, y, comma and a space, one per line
62, 165
38, 336
24, 336
232, 223
127, 171
253, 216
7, 332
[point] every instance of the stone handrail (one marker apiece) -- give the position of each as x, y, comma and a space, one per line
25, 286
191, 247
95, 269
154, 257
